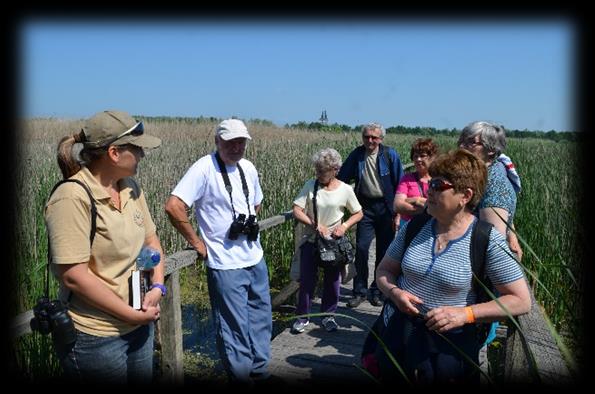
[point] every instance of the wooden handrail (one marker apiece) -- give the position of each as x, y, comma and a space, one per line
548, 366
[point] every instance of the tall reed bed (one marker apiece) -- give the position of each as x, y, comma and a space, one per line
547, 212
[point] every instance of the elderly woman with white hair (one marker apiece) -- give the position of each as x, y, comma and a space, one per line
333, 197
498, 205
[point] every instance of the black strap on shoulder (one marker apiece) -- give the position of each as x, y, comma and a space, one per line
93, 207
413, 228
314, 203
91, 235
227, 183
480, 238
223, 170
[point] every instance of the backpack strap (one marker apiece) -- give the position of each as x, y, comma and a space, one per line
314, 208
387, 158
414, 227
93, 207
91, 235
480, 238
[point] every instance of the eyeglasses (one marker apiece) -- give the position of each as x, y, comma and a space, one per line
371, 137
470, 142
324, 171
420, 156
439, 185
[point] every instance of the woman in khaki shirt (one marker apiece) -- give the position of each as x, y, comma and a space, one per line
114, 341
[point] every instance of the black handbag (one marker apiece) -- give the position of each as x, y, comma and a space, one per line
334, 252
331, 252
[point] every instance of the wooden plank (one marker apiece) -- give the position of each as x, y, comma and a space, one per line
284, 294
317, 356
307, 369
275, 220
547, 366
179, 260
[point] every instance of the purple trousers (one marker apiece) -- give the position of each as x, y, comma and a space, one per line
308, 279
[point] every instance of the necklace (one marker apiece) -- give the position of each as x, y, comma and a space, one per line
441, 243
442, 239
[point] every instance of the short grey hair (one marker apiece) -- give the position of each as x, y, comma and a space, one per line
374, 126
327, 159
492, 136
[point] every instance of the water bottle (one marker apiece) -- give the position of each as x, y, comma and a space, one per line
147, 258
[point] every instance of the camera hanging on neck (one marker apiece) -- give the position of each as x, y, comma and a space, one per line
240, 224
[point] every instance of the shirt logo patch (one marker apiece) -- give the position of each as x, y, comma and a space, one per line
139, 219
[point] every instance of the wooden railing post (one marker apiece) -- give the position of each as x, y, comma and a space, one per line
170, 330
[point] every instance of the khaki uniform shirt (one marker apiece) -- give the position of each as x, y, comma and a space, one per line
119, 237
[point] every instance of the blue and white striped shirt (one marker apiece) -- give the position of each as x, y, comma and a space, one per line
444, 279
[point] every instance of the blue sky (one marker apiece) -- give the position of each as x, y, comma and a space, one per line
434, 73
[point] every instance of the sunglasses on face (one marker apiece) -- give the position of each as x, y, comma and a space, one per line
439, 185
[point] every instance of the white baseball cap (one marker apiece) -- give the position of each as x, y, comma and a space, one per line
232, 128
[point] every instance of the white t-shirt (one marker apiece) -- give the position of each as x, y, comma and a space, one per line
330, 204
203, 187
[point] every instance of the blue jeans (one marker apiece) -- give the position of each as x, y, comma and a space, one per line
241, 304
377, 222
110, 360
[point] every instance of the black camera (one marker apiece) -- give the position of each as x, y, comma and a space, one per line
242, 226
52, 317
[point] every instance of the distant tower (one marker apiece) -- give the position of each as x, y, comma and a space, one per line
323, 118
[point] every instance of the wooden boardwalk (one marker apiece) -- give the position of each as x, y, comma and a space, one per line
318, 356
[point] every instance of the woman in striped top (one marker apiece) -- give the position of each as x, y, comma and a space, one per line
431, 282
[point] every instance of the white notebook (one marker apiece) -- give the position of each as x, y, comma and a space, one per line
139, 287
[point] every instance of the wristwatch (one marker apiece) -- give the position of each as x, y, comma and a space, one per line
160, 287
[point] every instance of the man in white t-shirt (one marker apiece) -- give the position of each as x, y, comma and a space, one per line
226, 194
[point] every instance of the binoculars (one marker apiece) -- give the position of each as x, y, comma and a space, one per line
52, 317
241, 225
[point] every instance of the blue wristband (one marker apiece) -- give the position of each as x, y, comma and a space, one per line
160, 287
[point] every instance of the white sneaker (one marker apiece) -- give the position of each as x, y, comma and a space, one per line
299, 326
330, 324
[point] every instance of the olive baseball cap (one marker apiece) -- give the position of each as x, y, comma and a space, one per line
114, 127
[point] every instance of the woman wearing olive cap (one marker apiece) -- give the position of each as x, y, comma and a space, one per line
114, 341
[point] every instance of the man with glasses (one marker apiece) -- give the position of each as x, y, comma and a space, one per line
376, 170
